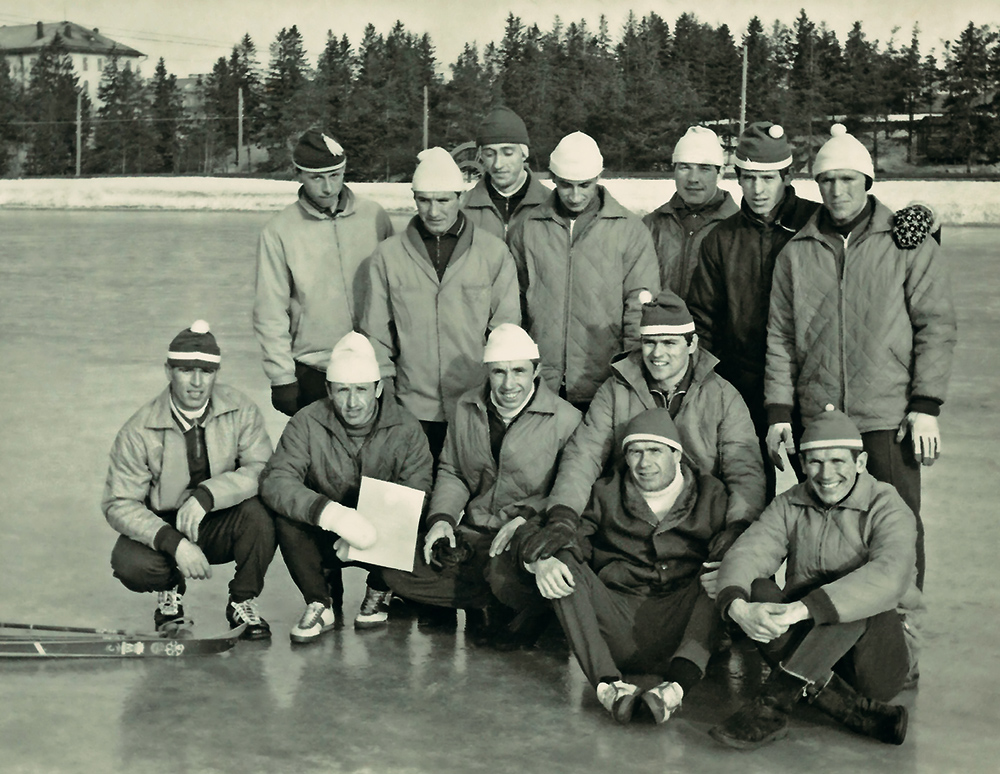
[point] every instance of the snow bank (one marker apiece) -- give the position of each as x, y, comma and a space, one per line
957, 202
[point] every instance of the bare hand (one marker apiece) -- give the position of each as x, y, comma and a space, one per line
710, 580
553, 578
189, 517
777, 435
924, 434
502, 541
760, 620
793, 613
442, 530
191, 561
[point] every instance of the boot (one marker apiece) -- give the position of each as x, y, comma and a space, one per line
868, 717
765, 719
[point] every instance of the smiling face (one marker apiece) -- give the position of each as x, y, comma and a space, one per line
831, 473
504, 163
511, 381
762, 189
191, 386
355, 404
666, 357
323, 187
438, 210
696, 183
576, 195
652, 465
844, 193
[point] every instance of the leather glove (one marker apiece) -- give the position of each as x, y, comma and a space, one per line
444, 556
911, 225
285, 398
722, 541
559, 532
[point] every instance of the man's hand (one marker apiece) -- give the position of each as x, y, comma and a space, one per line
762, 621
924, 434
793, 614
502, 541
553, 578
710, 579
778, 434
285, 398
191, 561
441, 530
189, 517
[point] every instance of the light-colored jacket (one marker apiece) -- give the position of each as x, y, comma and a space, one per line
470, 480
847, 562
430, 333
310, 281
149, 465
481, 210
713, 423
580, 290
859, 323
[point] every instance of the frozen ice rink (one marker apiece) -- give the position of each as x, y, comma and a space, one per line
88, 304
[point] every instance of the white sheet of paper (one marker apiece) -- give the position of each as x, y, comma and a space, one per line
394, 509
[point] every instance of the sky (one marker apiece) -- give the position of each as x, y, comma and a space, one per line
191, 34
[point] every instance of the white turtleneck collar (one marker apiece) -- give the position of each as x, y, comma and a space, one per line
662, 501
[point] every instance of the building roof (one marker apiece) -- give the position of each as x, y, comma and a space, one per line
30, 38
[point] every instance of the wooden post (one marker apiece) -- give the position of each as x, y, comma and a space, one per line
79, 130
426, 140
743, 94
239, 125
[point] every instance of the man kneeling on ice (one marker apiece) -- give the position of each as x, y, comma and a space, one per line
182, 485
842, 632
313, 479
631, 587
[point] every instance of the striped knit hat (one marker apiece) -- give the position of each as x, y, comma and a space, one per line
317, 151
195, 347
667, 315
831, 430
652, 425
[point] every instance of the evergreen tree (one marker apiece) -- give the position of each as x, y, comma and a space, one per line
10, 112
286, 93
765, 82
968, 81
331, 99
122, 137
167, 113
466, 98
864, 92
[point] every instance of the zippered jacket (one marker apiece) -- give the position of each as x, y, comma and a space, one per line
480, 209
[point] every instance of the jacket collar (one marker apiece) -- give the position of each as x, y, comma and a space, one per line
786, 212
415, 244
880, 222
161, 417
609, 209
629, 368
536, 194
635, 504
675, 206
543, 401
389, 415
345, 205
858, 499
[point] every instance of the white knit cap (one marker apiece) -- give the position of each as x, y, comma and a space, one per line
843, 151
437, 171
509, 342
353, 361
699, 145
576, 158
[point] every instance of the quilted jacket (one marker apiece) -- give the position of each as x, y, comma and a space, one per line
481, 210
469, 478
310, 281
860, 324
580, 296
430, 333
149, 470
677, 248
316, 463
713, 423
851, 561
731, 290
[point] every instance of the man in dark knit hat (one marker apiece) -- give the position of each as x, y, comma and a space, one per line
731, 288
309, 287
631, 587
182, 485
507, 187
843, 631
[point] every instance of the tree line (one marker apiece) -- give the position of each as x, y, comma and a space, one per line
635, 93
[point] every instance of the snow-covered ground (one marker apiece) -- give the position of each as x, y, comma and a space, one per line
957, 202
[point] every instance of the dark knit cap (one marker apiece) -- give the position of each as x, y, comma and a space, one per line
831, 430
317, 151
666, 315
763, 147
653, 425
195, 347
502, 126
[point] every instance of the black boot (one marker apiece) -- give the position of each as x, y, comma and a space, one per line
765, 719
885, 722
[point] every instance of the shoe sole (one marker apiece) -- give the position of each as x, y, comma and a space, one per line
741, 744
900, 730
253, 636
302, 639
370, 624
658, 709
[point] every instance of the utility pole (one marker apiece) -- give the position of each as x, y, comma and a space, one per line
743, 94
79, 129
425, 118
239, 125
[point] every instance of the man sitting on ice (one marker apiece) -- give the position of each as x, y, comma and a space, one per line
313, 479
182, 485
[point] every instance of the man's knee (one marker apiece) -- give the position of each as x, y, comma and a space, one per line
257, 520
766, 590
141, 568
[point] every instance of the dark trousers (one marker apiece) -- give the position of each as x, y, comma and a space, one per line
611, 631
243, 533
870, 654
461, 585
313, 564
435, 432
312, 384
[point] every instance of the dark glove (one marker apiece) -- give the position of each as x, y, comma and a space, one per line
722, 541
558, 533
911, 226
444, 556
285, 398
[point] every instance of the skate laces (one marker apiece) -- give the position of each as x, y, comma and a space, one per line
169, 602
246, 611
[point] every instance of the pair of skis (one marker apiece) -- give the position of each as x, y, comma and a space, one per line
18, 640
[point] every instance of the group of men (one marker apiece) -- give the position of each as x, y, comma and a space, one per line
594, 404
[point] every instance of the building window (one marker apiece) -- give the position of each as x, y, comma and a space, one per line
85, 64
100, 64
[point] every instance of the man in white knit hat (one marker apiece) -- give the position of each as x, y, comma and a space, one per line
496, 469
313, 479
583, 259
861, 316
436, 291
679, 225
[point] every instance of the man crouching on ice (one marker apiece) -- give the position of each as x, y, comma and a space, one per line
842, 631
631, 588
